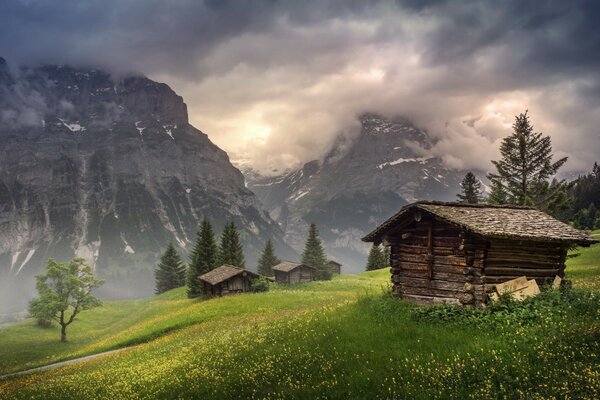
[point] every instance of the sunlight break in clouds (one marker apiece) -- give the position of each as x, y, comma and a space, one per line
274, 83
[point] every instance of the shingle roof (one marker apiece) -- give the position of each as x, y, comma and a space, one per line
489, 221
287, 266
223, 273
334, 262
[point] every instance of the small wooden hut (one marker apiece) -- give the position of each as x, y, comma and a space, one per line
291, 273
335, 267
227, 279
456, 253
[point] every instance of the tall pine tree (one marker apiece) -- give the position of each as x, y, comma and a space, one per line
230, 250
526, 167
267, 260
471, 189
376, 259
203, 258
497, 194
387, 253
314, 254
170, 272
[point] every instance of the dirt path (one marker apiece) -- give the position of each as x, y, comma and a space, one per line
62, 363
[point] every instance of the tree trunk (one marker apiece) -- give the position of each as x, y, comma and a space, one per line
63, 333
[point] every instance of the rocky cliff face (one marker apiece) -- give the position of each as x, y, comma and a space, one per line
359, 184
109, 169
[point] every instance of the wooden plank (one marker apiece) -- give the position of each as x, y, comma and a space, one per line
556, 282
512, 285
532, 289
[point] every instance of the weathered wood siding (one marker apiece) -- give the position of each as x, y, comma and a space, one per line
433, 261
335, 268
509, 259
236, 284
301, 274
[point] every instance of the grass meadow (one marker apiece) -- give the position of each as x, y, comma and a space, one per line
326, 340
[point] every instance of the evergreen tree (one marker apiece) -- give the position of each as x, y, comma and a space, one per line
471, 189
497, 194
268, 260
376, 259
526, 166
584, 190
203, 258
387, 252
170, 272
230, 250
314, 254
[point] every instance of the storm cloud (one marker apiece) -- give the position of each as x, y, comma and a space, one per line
274, 82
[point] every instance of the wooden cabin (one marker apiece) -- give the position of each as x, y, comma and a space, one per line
290, 273
227, 279
456, 253
335, 267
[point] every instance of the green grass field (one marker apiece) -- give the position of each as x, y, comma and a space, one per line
338, 339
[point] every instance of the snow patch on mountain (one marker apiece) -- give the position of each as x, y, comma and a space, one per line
402, 160
73, 127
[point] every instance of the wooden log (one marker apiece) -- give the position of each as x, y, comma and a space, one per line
430, 299
445, 260
501, 279
430, 292
518, 252
431, 283
529, 272
452, 269
451, 277
491, 262
438, 241
418, 249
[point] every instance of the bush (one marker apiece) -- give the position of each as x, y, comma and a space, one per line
550, 304
259, 285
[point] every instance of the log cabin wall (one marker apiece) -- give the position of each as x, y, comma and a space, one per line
461, 268
509, 259
441, 264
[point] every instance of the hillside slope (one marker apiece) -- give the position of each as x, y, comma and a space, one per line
339, 339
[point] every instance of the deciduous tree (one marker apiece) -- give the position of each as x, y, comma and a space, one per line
63, 292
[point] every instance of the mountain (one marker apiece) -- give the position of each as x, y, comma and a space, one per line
111, 170
357, 185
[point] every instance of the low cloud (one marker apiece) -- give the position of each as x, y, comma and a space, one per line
275, 82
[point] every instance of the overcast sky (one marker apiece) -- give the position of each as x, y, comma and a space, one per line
274, 82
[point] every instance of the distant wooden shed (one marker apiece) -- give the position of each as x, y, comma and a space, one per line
456, 253
291, 273
227, 279
335, 267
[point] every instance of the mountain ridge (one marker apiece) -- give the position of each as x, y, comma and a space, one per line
111, 170
360, 182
